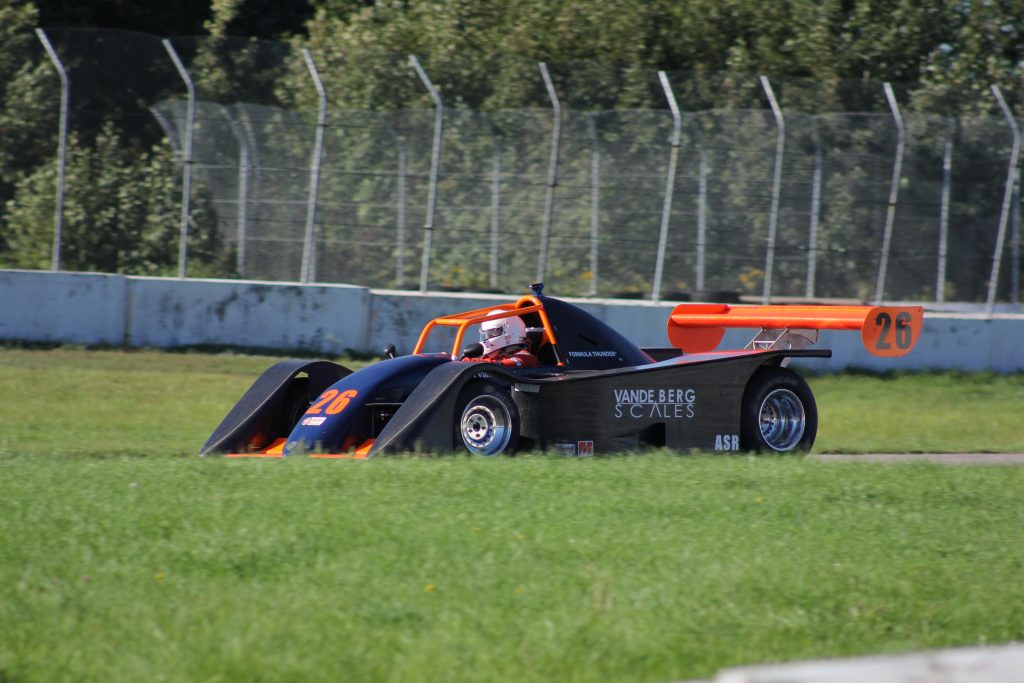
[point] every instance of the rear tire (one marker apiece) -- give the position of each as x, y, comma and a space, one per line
779, 414
486, 420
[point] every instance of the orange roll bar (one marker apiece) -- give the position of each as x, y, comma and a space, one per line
462, 321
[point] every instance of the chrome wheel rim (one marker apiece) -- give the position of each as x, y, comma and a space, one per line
486, 426
782, 420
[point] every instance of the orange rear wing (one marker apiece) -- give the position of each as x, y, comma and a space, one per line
884, 330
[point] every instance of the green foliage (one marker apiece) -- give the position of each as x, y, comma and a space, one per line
484, 53
184, 17
822, 56
227, 68
28, 127
120, 213
986, 47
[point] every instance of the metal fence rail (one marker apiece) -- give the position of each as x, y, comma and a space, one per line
666, 202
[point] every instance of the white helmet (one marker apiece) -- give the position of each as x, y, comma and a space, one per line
503, 332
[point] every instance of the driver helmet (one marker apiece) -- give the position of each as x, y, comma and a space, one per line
496, 335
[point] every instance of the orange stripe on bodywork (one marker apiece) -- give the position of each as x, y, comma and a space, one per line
361, 453
885, 330
275, 450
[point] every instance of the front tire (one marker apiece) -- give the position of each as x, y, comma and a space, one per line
486, 420
295, 403
779, 414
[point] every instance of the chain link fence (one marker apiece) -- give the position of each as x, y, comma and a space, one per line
287, 183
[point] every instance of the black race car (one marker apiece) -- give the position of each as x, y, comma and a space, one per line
595, 391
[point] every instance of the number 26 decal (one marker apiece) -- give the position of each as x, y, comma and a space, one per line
332, 402
903, 334
892, 331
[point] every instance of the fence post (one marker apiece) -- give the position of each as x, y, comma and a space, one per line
1004, 213
435, 162
243, 187
495, 200
308, 273
894, 187
1015, 241
812, 239
400, 247
773, 216
670, 183
255, 163
186, 171
62, 147
595, 202
186, 161
549, 197
702, 218
947, 179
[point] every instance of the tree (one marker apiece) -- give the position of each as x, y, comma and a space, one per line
482, 51
121, 214
28, 97
184, 17
822, 56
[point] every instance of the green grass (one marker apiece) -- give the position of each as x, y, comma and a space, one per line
79, 402
121, 560
923, 412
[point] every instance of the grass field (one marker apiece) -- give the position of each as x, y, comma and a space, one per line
124, 557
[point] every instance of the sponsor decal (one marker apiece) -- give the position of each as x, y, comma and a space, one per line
582, 448
672, 404
593, 354
727, 442
313, 421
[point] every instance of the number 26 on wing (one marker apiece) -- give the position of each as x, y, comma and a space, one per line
892, 330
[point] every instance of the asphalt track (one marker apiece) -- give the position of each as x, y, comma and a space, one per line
941, 458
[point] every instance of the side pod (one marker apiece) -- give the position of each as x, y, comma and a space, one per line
264, 412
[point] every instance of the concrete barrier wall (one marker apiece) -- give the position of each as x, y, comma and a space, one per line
169, 312
117, 310
62, 307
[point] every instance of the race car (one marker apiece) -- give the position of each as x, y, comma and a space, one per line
593, 392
